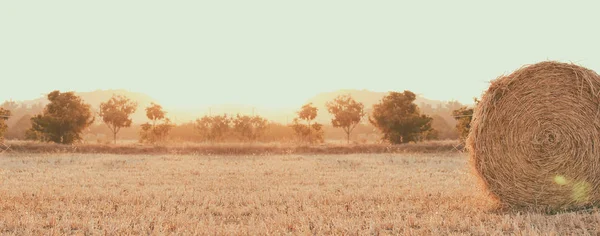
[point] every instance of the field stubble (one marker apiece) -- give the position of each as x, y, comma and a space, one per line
409, 194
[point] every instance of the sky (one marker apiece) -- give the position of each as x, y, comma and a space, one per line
281, 53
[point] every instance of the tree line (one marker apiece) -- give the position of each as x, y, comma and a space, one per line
396, 117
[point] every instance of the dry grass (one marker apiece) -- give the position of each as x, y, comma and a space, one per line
433, 194
534, 137
231, 148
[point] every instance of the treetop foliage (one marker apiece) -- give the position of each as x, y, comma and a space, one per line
399, 119
159, 129
347, 113
116, 113
4, 114
63, 119
249, 128
219, 127
213, 128
346, 122
464, 116
308, 112
155, 112
311, 133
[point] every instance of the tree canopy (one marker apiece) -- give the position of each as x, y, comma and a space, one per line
399, 119
4, 114
347, 113
115, 113
213, 128
249, 128
309, 132
160, 126
463, 116
63, 119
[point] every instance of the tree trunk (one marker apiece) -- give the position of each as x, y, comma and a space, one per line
309, 131
348, 137
115, 137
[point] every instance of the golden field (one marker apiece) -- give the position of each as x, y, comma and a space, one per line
353, 194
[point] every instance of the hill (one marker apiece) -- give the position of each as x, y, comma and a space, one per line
368, 98
94, 98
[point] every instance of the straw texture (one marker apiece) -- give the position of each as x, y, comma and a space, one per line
535, 137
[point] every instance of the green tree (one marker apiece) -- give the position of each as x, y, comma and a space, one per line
155, 112
259, 126
399, 119
347, 113
308, 113
115, 113
463, 117
63, 119
159, 128
317, 135
4, 115
309, 132
249, 128
213, 128
314, 134
204, 127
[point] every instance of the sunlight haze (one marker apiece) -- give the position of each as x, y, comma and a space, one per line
281, 53
312, 117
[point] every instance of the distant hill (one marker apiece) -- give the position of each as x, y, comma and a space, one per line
368, 98
94, 98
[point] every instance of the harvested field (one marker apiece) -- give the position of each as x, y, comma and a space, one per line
408, 194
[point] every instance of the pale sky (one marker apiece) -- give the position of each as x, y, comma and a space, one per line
280, 53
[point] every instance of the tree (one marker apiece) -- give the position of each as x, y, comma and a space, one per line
318, 134
310, 132
63, 119
399, 119
463, 117
4, 115
204, 127
347, 113
242, 125
159, 129
115, 113
155, 112
249, 128
308, 113
259, 127
213, 128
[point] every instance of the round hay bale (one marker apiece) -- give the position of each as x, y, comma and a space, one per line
535, 137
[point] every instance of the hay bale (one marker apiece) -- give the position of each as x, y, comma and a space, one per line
535, 137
